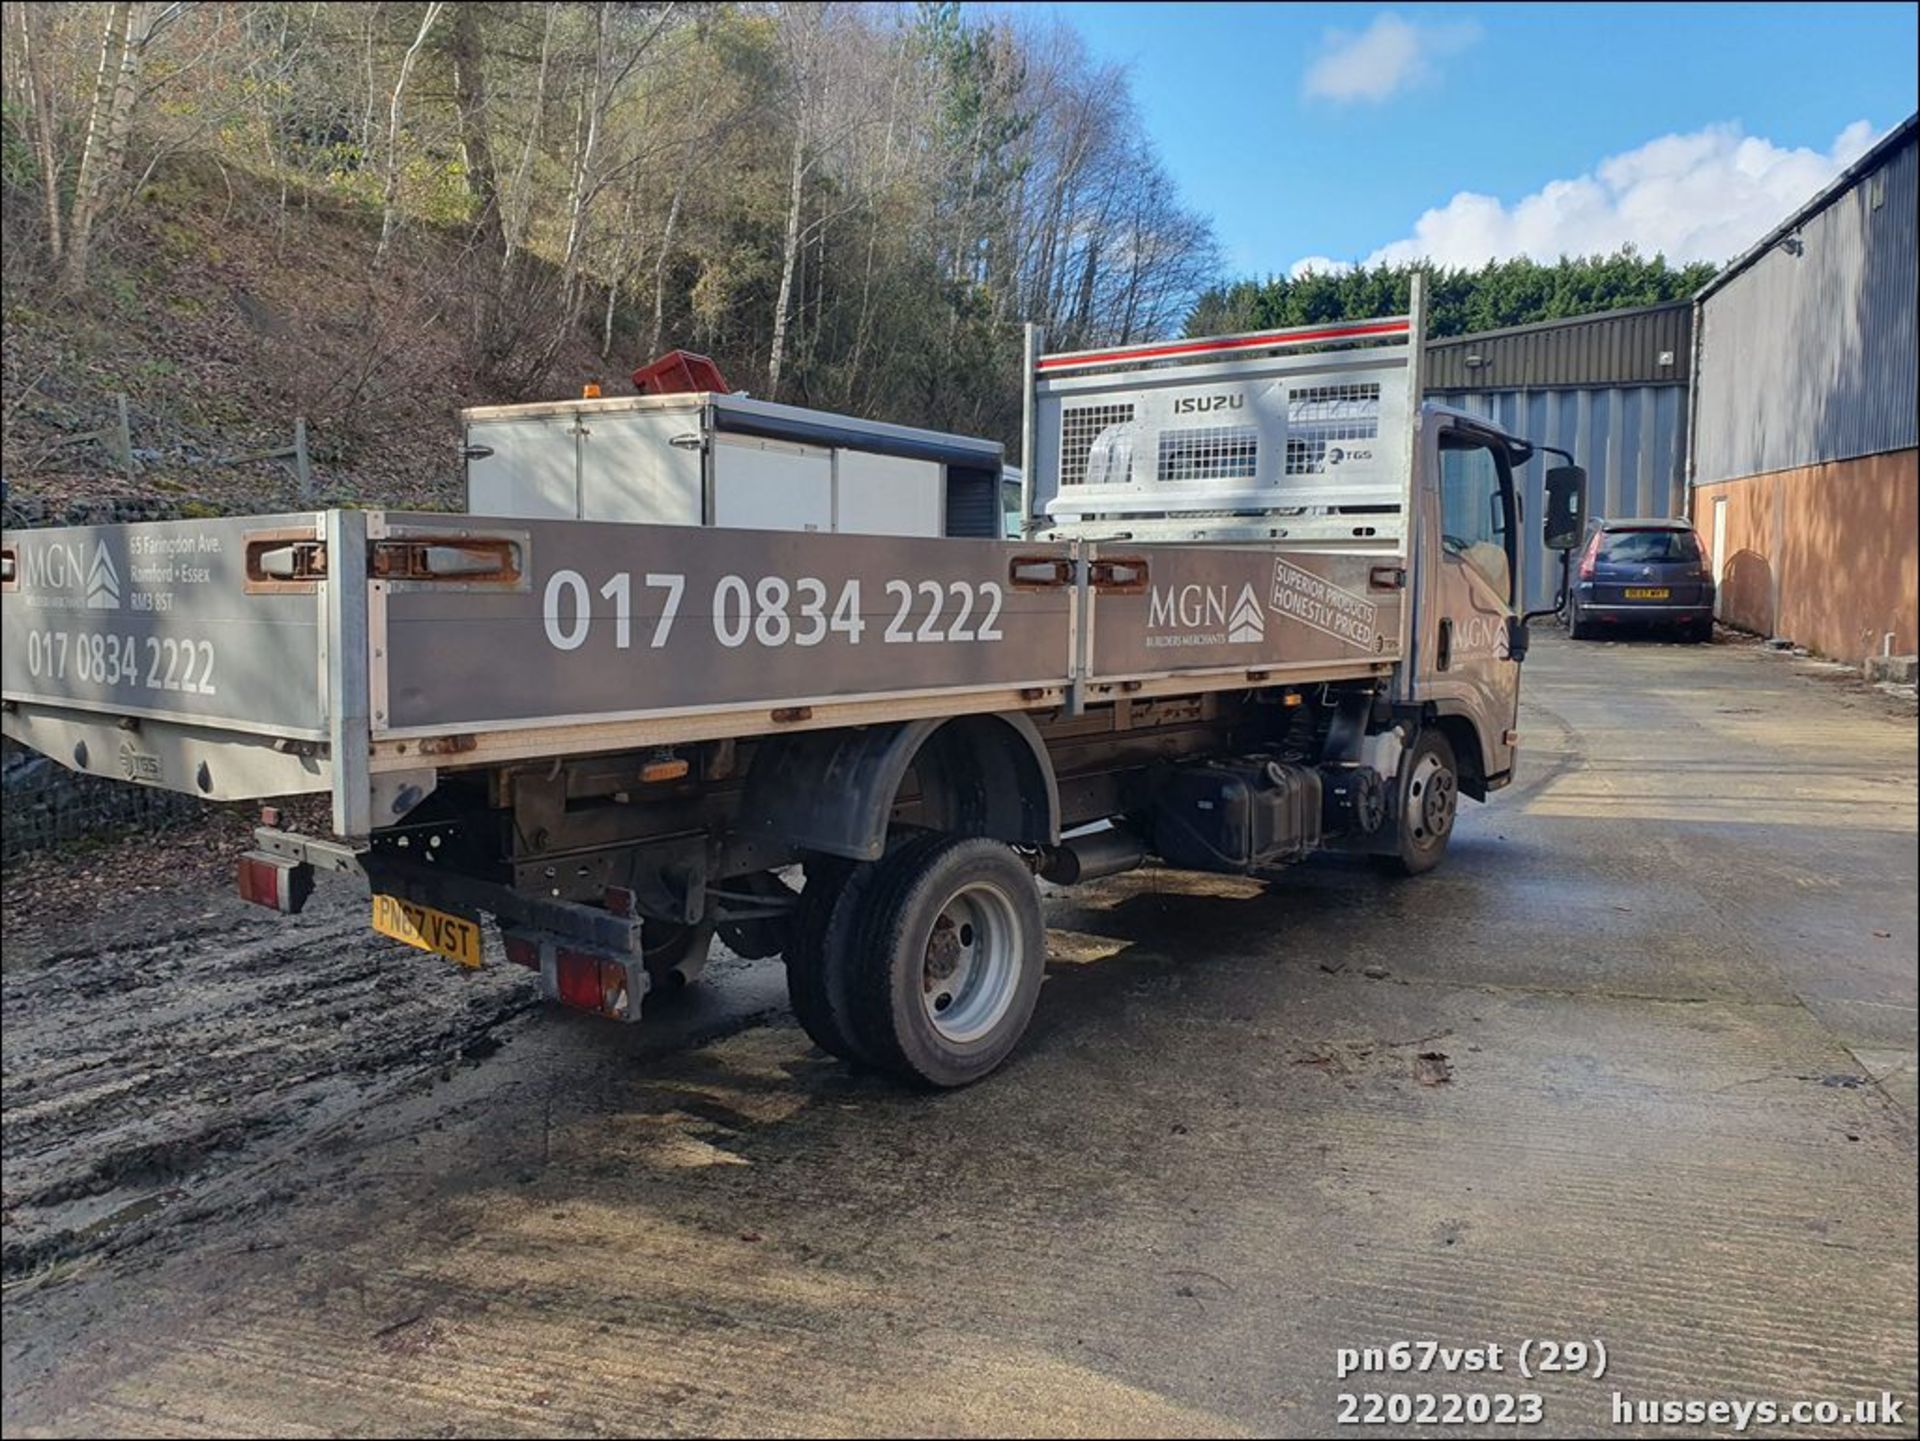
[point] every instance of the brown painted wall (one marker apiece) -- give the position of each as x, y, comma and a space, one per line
1825, 554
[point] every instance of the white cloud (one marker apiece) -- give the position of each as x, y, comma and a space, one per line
1388, 56
1704, 196
1318, 265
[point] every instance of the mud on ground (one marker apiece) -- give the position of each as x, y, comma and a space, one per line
186, 1038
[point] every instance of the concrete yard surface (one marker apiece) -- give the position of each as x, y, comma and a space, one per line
1636, 1066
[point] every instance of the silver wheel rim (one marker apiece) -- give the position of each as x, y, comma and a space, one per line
1430, 802
971, 966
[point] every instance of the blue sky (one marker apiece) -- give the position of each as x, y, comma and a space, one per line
1331, 130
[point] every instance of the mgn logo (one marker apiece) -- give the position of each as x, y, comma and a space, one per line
1248, 623
57, 575
103, 582
1205, 615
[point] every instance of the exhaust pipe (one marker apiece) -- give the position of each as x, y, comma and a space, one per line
1096, 854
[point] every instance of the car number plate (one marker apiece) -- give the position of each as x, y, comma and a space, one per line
1644, 592
454, 937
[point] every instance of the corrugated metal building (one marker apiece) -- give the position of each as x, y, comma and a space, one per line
1611, 388
1804, 444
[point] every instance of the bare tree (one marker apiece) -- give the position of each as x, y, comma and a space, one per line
801, 25
129, 30
666, 249
517, 197
470, 95
32, 42
108, 121
824, 108
591, 175
389, 208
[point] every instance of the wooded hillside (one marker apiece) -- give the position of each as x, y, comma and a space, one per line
227, 216
367, 214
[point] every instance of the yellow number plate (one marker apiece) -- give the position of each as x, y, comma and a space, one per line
455, 937
1647, 593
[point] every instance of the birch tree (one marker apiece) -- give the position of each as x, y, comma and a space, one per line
32, 41
109, 120
518, 204
390, 194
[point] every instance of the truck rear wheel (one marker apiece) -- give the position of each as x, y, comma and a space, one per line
816, 954
949, 957
1429, 796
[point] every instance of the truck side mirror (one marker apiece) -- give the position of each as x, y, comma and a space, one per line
1566, 507
1518, 638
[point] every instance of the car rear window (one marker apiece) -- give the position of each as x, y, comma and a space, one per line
1646, 546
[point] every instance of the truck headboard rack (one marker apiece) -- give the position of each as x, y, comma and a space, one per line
1296, 434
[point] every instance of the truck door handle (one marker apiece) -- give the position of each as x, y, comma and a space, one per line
1444, 660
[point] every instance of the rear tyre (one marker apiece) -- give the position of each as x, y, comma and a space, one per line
950, 954
1700, 632
1578, 629
1429, 796
816, 953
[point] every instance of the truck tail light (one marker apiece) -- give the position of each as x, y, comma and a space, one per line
275, 882
577, 978
598, 981
602, 981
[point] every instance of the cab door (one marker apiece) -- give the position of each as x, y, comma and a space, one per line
1469, 582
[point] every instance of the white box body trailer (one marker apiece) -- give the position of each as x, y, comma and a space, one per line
727, 461
1263, 606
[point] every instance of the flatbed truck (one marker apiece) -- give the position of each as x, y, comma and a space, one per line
1258, 602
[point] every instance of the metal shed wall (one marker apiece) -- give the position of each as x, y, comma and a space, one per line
1613, 348
1810, 358
1631, 439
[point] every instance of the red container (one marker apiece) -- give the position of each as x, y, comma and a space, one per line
679, 372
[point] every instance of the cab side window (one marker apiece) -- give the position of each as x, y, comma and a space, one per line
1474, 524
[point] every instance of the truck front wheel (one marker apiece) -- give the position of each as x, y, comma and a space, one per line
1429, 796
950, 954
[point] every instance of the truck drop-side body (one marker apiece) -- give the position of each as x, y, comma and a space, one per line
1263, 605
